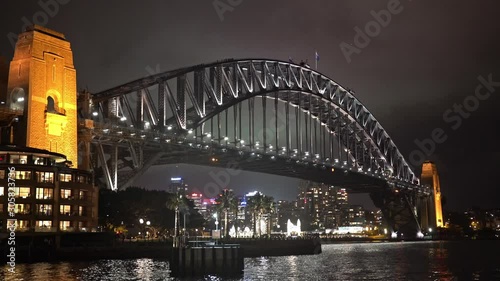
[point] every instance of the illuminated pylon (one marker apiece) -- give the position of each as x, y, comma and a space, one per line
430, 177
42, 85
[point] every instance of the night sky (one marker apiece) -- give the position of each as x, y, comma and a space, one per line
412, 71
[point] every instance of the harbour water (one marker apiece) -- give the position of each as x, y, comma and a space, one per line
432, 260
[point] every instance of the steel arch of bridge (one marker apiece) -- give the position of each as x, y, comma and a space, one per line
128, 118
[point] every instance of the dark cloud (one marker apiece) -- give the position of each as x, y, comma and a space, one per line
424, 61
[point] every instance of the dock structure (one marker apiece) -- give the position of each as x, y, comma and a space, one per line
198, 258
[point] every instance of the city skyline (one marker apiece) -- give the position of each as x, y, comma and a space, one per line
421, 83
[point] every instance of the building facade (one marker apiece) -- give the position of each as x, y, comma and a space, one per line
41, 190
43, 193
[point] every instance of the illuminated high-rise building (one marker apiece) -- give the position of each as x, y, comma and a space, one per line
323, 204
177, 185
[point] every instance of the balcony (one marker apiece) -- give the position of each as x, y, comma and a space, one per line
45, 229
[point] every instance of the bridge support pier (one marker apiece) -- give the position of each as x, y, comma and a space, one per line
399, 211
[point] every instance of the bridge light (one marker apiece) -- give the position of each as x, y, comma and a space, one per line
95, 113
430, 229
226, 138
169, 128
123, 118
20, 99
333, 170
242, 141
272, 157
209, 135
190, 131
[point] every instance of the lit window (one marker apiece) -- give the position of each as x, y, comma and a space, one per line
22, 209
81, 211
23, 175
2, 191
65, 177
65, 210
38, 160
66, 194
18, 159
22, 192
64, 225
44, 224
44, 209
83, 195
44, 193
82, 179
45, 177
23, 225
2, 174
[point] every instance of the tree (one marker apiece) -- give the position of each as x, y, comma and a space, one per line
256, 205
225, 202
269, 208
176, 202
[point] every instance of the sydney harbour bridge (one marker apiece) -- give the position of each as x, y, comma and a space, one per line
258, 115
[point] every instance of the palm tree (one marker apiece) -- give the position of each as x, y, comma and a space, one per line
268, 208
256, 203
176, 202
225, 202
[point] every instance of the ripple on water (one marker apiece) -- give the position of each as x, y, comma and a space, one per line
451, 261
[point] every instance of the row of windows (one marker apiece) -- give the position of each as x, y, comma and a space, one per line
46, 193
24, 159
46, 177
47, 224
47, 210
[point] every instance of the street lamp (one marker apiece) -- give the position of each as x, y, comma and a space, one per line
216, 222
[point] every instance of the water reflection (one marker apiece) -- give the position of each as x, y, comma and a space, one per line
470, 260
